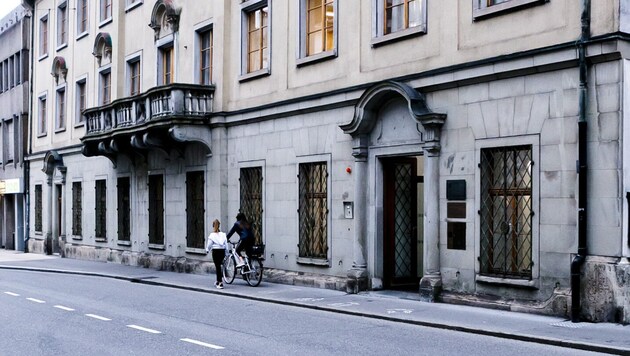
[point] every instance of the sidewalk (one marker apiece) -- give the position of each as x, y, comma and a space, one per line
386, 305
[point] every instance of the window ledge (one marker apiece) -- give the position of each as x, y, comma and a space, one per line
316, 58
196, 251
59, 130
62, 46
133, 6
254, 75
77, 237
123, 243
513, 5
105, 22
400, 35
42, 134
38, 233
82, 35
100, 239
79, 125
157, 247
42, 57
313, 261
533, 284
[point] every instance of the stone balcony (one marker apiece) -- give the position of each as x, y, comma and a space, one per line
163, 118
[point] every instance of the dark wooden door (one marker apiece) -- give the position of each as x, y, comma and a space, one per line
400, 222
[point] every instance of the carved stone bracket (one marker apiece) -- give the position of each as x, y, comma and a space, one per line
164, 14
200, 134
59, 69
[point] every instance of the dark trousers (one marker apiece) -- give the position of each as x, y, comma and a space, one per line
218, 254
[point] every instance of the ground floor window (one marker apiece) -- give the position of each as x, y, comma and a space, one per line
101, 209
124, 209
313, 210
506, 212
77, 208
38, 208
156, 209
195, 212
251, 180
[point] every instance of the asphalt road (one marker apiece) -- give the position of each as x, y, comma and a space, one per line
53, 314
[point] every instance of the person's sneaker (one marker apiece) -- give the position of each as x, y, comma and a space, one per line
216, 284
240, 264
220, 285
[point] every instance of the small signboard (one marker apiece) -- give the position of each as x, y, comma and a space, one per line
11, 186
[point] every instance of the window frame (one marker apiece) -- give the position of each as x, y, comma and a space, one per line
62, 25
483, 10
77, 205
302, 56
190, 204
152, 204
61, 108
44, 36
327, 159
378, 24
164, 44
199, 32
42, 114
83, 18
103, 73
534, 142
131, 61
256, 164
247, 8
103, 215
103, 6
132, 4
126, 210
78, 117
38, 223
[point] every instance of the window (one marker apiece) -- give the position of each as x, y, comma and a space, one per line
205, 57
18, 69
132, 3
105, 10
313, 210
82, 17
42, 116
124, 209
506, 212
165, 65
8, 140
101, 209
43, 36
10, 73
251, 198
105, 87
60, 118
318, 26
256, 38
489, 8
81, 100
134, 75
156, 210
195, 228
77, 209
62, 25
399, 18
38, 208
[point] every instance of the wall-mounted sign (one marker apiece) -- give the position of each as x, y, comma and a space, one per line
11, 186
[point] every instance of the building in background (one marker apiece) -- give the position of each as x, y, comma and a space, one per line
14, 73
420, 145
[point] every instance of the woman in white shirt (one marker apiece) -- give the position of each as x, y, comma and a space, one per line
217, 242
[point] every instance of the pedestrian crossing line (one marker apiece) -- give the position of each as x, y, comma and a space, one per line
36, 300
12, 294
144, 329
63, 308
98, 317
200, 343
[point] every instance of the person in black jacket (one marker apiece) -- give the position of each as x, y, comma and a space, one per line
244, 229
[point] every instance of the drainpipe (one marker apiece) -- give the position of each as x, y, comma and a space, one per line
30, 4
582, 166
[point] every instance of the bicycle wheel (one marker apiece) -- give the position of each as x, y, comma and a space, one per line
229, 269
254, 277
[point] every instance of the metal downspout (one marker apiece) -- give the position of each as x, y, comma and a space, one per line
27, 164
582, 166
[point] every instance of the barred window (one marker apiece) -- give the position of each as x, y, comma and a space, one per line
195, 212
124, 209
313, 210
251, 199
156, 209
506, 212
77, 208
101, 209
38, 208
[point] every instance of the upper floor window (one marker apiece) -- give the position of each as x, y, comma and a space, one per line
60, 118
41, 122
82, 16
399, 18
489, 8
105, 10
43, 36
318, 27
130, 4
105, 86
81, 100
165, 64
256, 34
205, 57
62, 24
134, 75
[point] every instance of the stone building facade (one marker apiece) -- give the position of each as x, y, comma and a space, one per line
14, 68
428, 146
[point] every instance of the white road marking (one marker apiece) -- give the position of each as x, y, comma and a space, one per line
36, 300
144, 329
203, 344
98, 317
63, 308
339, 305
12, 294
308, 299
395, 311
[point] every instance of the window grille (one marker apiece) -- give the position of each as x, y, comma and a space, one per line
195, 212
506, 212
313, 210
38, 207
101, 209
156, 209
251, 199
124, 209
77, 208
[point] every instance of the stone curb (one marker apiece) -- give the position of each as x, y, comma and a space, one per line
520, 337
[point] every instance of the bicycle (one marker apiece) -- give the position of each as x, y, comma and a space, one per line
252, 271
